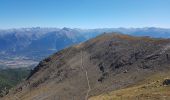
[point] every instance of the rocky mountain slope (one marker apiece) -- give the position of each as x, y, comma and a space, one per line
101, 65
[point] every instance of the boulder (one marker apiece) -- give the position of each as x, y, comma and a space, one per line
166, 82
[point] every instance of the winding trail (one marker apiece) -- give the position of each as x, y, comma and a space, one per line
87, 78
16, 97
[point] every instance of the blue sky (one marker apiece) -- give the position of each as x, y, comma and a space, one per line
84, 13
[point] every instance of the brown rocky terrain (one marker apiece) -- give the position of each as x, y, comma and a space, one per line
106, 63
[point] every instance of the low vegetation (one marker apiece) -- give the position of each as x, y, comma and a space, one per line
152, 88
10, 78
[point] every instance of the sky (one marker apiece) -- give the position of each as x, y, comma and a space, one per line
84, 13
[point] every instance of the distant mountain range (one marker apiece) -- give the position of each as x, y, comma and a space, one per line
147, 31
37, 43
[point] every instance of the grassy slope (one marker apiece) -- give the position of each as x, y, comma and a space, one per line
149, 89
11, 77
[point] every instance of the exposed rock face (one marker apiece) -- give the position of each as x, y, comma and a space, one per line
166, 82
106, 63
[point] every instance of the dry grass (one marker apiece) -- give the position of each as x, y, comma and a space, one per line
149, 89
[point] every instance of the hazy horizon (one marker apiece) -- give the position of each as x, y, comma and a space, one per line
83, 28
